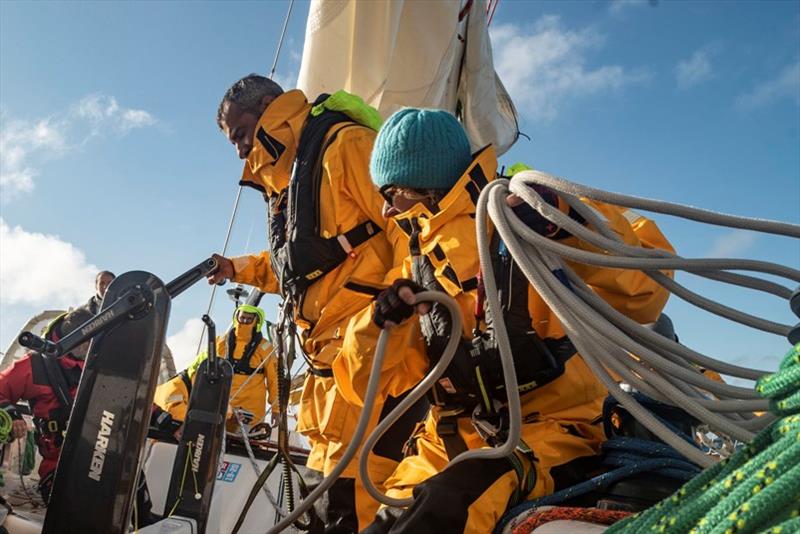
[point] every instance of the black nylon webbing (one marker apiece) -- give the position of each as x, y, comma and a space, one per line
447, 429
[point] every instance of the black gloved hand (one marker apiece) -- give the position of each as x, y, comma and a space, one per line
163, 420
390, 307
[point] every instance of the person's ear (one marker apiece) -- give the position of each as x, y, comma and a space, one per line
266, 101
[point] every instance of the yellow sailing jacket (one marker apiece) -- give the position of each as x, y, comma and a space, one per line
447, 239
251, 397
347, 199
452, 231
262, 388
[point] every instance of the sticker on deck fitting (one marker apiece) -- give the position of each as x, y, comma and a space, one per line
228, 471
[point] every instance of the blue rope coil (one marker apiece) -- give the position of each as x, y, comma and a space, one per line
628, 457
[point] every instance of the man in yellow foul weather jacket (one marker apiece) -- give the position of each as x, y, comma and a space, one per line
430, 181
328, 252
255, 373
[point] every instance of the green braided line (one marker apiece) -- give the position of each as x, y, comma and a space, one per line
689, 510
6, 422
792, 358
786, 405
787, 425
762, 505
779, 384
786, 515
663, 517
760, 473
750, 489
787, 527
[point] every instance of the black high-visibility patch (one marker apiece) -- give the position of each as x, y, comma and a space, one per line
274, 147
478, 177
363, 288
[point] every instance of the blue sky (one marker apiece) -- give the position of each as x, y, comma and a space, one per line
111, 157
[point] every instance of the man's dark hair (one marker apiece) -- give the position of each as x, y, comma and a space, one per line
248, 93
101, 273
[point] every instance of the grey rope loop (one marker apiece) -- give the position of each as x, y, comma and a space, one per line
660, 206
369, 400
606, 338
239, 190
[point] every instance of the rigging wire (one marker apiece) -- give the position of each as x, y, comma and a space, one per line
239, 190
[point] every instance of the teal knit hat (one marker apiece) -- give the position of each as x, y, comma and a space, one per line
421, 149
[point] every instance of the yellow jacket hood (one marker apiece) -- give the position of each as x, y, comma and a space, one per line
269, 165
460, 200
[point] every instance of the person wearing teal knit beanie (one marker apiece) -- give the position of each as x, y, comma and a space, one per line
420, 149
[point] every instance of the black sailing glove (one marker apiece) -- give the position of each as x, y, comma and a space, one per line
535, 220
390, 307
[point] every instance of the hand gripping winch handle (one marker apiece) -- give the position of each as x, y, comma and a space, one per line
212, 367
191, 277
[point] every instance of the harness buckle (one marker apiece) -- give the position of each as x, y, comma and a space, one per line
346, 246
491, 427
52, 426
447, 426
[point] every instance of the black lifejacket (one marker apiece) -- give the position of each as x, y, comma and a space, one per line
299, 254
242, 365
475, 375
47, 369
537, 361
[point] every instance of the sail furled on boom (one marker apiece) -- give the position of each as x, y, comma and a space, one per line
410, 53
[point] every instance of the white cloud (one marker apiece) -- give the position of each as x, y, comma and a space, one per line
42, 270
785, 85
732, 244
696, 69
546, 65
136, 118
26, 144
184, 343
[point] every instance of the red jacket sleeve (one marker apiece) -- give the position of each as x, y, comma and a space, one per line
15, 382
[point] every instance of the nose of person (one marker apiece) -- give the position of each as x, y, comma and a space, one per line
244, 148
388, 210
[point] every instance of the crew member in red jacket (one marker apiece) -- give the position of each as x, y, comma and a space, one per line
49, 387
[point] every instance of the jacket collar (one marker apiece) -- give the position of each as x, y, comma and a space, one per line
269, 165
460, 200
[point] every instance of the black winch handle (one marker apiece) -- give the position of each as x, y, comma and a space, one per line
36, 343
191, 277
213, 372
132, 300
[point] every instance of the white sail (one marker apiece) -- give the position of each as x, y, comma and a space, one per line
36, 325
410, 53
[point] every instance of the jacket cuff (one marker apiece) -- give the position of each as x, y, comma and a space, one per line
240, 263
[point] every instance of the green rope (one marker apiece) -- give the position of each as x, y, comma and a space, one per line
29, 457
5, 426
755, 490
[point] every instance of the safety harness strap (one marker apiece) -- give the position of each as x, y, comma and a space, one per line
242, 365
307, 256
447, 429
322, 373
56, 378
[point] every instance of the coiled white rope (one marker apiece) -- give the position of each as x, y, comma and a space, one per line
661, 368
